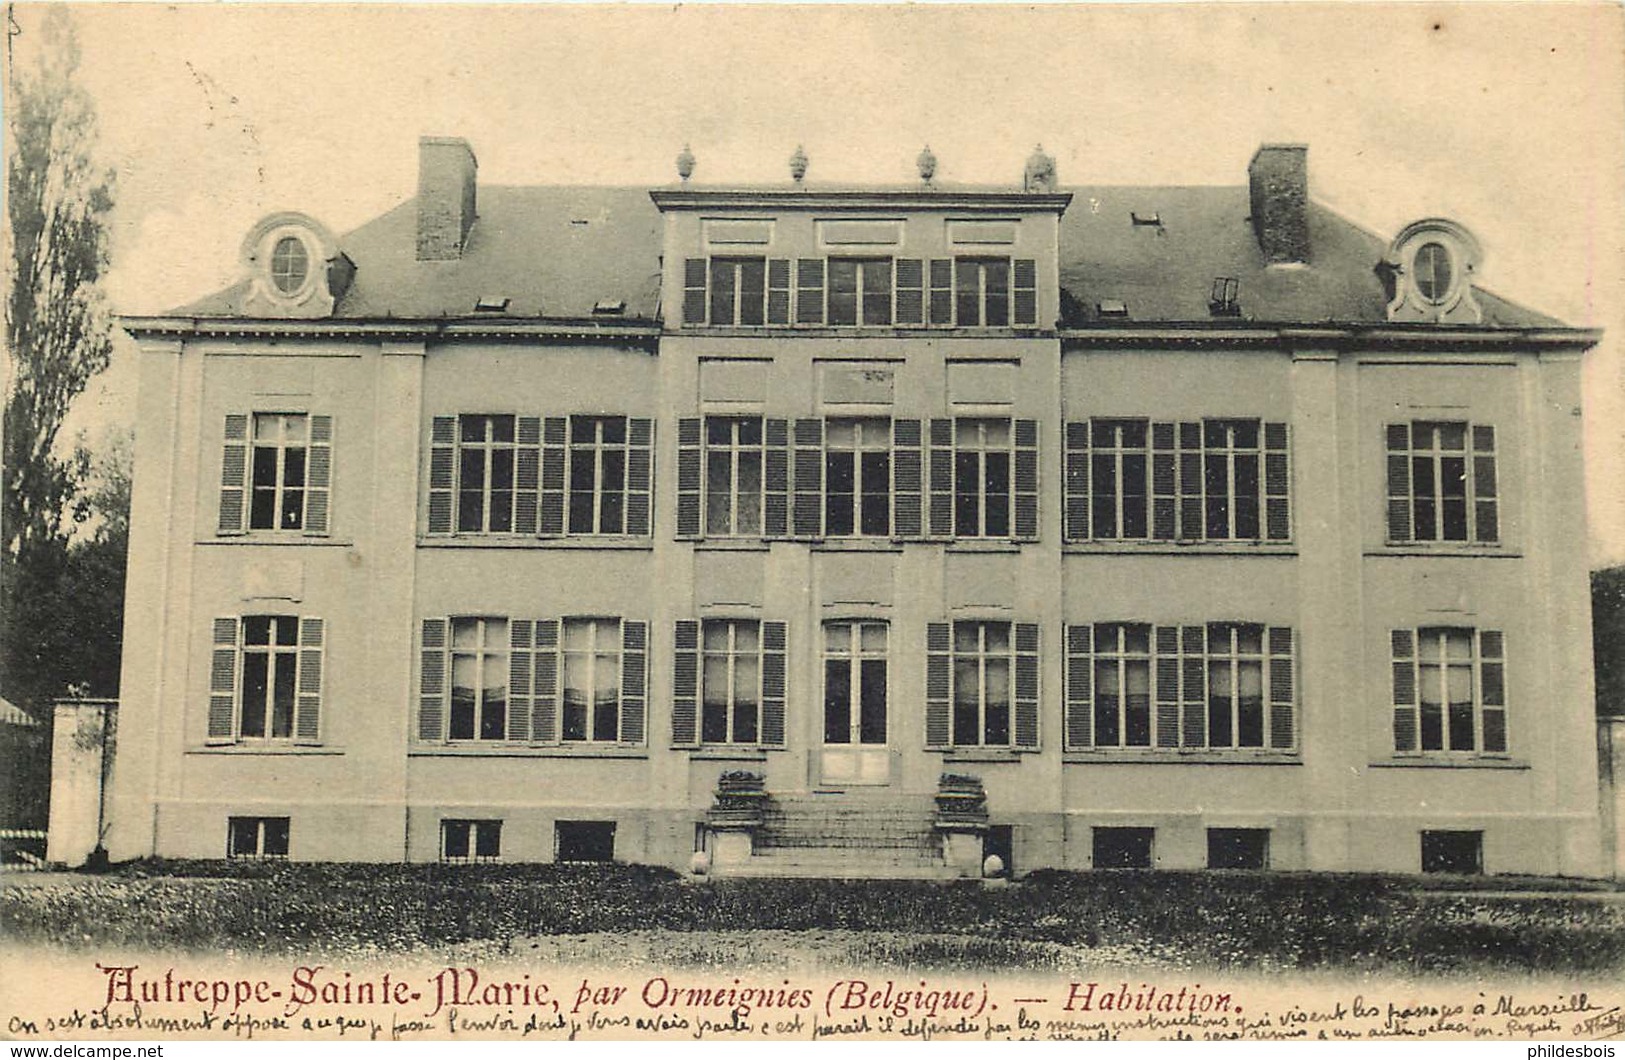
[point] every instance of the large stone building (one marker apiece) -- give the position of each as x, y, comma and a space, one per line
861, 530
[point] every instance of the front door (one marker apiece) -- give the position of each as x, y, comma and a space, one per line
855, 748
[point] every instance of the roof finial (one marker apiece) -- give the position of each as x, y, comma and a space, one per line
927, 163
685, 163
798, 164
1040, 174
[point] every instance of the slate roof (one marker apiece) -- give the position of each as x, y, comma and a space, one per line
556, 251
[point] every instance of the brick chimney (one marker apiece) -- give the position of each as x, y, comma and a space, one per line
446, 194
1278, 179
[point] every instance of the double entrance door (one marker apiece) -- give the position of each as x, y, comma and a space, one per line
855, 749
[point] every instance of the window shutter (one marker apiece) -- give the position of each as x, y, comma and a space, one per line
550, 513
521, 632
1399, 484
1277, 483
694, 291
910, 291
1080, 718
639, 475
308, 726
1405, 704
432, 681
1026, 292
1283, 730
773, 661
809, 290
1492, 689
442, 473
319, 476
685, 681
776, 477
1027, 698
938, 685
1191, 482
544, 709
1164, 482
809, 473
942, 292
527, 472
1486, 509
942, 478
1193, 678
688, 477
1077, 482
234, 475
906, 479
1167, 663
778, 291
223, 682
634, 680
1026, 480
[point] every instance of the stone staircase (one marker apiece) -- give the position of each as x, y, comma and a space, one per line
844, 835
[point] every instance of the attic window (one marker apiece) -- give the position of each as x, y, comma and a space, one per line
608, 307
491, 304
290, 264
1223, 300
1146, 220
1112, 307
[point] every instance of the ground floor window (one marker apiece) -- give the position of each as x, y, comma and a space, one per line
1238, 848
1123, 848
584, 841
257, 837
1452, 851
469, 841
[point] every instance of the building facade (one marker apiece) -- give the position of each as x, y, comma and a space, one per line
860, 530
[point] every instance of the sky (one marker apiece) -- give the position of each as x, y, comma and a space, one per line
1507, 118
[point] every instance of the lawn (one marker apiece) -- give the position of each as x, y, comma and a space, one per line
631, 915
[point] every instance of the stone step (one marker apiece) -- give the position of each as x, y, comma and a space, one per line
825, 864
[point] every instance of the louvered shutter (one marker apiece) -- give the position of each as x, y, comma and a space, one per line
778, 291
685, 682
544, 709
1492, 689
688, 477
432, 681
942, 292
1164, 482
222, 727
527, 473
319, 476
639, 475
1193, 682
308, 722
1277, 483
1080, 718
776, 478
774, 636
1399, 482
521, 639
442, 473
1026, 292
1026, 480
1283, 728
942, 478
910, 291
938, 685
1486, 510
1403, 646
1027, 697
634, 681
809, 290
1167, 676
906, 479
234, 476
1191, 482
550, 505
694, 291
809, 475
1077, 482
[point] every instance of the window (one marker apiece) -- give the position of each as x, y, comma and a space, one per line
470, 841
729, 683
982, 454
1122, 848
981, 685
982, 292
1449, 691
598, 479
860, 291
257, 837
854, 682
1212, 480
290, 265
1224, 686
1433, 272
479, 679
584, 841
1238, 848
592, 680
734, 456
857, 478
738, 290
1453, 851
278, 501
276, 472
265, 679
485, 474
1437, 489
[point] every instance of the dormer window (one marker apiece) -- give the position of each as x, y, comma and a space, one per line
294, 268
1433, 271
290, 265
1429, 270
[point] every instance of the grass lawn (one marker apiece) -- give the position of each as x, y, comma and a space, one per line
630, 915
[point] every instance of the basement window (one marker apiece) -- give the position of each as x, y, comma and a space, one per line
584, 841
1123, 848
1238, 848
466, 842
249, 838
1461, 853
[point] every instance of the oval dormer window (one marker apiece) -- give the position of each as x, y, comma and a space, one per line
290, 265
1434, 272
